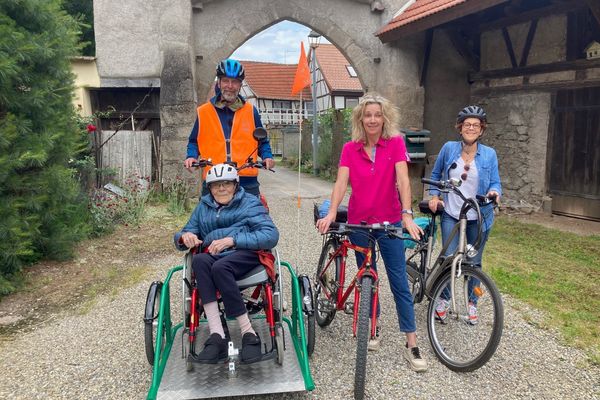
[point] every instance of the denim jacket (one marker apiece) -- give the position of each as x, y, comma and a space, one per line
487, 167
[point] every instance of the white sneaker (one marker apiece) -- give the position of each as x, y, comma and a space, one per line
473, 319
441, 309
415, 361
375, 341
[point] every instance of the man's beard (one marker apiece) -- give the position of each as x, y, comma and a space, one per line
229, 97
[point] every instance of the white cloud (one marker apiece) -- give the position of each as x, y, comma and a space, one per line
279, 43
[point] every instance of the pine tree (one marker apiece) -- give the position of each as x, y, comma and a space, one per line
42, 211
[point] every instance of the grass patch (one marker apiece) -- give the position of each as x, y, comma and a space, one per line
556, 272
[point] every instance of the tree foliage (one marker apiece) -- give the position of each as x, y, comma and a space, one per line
83, 12
42, 211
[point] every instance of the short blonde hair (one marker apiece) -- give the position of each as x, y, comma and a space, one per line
391, 115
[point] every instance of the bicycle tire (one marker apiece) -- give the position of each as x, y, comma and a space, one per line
362, 336
328, 275
151, 321
462, 344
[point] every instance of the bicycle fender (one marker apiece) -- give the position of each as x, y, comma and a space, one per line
304, 282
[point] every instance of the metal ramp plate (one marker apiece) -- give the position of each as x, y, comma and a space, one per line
212, 381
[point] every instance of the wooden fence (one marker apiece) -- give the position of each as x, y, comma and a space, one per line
129, 153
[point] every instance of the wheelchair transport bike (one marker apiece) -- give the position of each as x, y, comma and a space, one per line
461, 343
283, 366
332, 294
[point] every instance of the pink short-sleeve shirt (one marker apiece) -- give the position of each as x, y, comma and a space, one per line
374, 197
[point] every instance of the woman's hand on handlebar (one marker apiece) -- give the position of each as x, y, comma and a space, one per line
324, 223
413, 229
494, 196
188, 163
434, 203
190, 240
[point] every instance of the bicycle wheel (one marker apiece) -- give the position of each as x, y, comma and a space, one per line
151, 321
327, 279
362, 336
461, 342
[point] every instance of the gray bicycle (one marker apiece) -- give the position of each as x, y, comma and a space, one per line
462, 341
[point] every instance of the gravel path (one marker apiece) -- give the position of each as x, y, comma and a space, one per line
100, 355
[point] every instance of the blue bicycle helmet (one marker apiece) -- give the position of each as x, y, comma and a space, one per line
471, 112
231, 69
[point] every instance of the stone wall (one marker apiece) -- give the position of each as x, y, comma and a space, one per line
518, 131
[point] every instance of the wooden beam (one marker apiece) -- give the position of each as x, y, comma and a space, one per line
594, 6
460, 43
535, 69
426, 56
527, 46
509, 47
532, 14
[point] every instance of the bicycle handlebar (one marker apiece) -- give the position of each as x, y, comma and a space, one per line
345, 228
452, 185
201, 163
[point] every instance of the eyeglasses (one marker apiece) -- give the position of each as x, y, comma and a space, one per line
225, 184
469, 126
465, 175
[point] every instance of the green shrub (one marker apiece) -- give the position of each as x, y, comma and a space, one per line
42, 210
177, 195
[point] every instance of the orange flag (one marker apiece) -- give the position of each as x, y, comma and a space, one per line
302, 78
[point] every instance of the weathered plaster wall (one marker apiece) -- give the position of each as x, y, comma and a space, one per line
447, 92
548, 45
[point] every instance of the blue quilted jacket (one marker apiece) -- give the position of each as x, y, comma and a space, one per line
244, 219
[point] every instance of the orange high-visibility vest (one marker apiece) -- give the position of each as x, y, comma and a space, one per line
211, 139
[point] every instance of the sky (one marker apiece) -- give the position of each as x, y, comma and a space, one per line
279, 43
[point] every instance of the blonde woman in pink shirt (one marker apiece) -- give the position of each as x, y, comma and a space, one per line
374, 163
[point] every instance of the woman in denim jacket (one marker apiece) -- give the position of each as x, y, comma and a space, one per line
476, 165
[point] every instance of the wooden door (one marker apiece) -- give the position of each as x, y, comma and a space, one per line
574, 173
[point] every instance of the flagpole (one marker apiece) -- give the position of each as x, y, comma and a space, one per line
301, 80
299, 176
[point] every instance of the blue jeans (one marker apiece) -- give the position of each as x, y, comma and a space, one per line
392, 252
448, 223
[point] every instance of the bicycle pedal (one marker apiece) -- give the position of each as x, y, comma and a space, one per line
349, 308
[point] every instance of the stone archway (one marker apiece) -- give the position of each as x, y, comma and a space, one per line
180, 42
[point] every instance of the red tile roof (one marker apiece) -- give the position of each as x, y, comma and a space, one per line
418, 10
333, 67
273, 81
423, 9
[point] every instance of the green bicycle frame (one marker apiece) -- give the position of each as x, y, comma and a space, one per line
165, 327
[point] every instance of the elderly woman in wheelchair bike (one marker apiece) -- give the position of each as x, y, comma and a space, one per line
229, 226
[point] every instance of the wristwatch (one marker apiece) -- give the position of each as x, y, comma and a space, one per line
408, 211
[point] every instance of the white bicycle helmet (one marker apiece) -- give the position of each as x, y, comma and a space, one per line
222, 172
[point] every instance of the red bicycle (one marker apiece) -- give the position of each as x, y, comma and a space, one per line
331, 293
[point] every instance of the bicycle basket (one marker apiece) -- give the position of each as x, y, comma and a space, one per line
423, 223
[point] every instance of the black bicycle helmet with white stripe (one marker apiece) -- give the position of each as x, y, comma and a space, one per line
471, 112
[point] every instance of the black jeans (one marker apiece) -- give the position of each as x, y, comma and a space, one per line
220, 273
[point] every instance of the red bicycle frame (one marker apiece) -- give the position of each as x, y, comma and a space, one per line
342, 295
